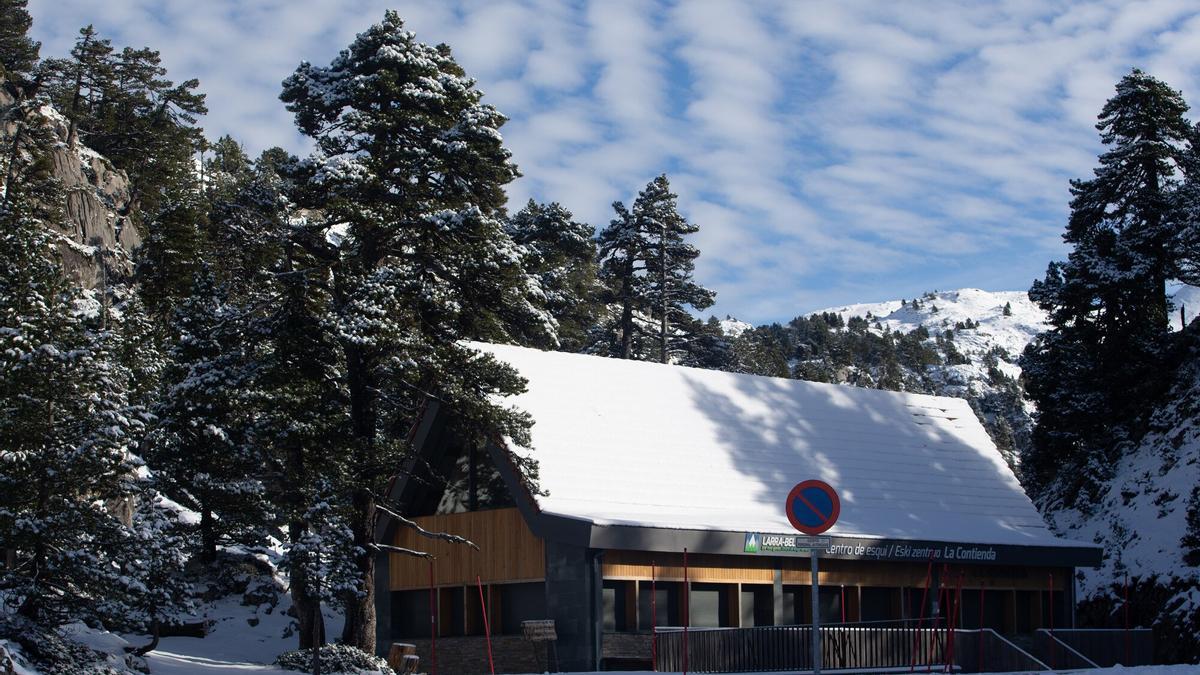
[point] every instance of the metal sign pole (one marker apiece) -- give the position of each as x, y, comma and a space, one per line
816, 615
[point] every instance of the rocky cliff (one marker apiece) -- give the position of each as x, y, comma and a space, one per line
98, 202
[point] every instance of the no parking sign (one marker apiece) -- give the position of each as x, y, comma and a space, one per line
813, 507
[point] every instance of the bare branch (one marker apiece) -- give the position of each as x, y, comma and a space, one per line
444, 536
405, 551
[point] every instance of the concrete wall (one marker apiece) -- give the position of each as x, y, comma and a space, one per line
572, 599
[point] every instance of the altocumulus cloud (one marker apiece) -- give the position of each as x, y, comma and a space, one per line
831, 152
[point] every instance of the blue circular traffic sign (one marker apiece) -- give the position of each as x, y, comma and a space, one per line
813, 507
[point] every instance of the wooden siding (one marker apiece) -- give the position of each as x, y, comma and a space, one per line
508, 551
707, 568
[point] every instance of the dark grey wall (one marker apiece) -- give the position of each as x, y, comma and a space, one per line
383, 605
571, 595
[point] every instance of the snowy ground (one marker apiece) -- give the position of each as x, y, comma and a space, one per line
179, 665
1141, 670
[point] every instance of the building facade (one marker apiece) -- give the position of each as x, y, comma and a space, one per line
639, 462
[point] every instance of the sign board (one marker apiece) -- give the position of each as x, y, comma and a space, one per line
757, 542
812, 507
541, 630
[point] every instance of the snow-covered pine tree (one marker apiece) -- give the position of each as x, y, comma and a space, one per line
301, 424
65, 425
561, 254
226, 168
200, 447
709, 348
18, 52
246, 226
410, 163
622, 255
1100, 364
1185, 214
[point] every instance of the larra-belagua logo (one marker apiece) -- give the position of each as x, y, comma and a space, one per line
751, 542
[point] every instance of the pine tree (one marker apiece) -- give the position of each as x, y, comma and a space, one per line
710, 348
18, 52
173, 251
200, 446
411, 164
245, 228
126, 109
78, 85
65, 423
669, 267
561, 254
227, 170
622, 253
649, 266
1185, 216
301, 420
1100, 364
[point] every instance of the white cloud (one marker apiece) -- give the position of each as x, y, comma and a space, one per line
830, 152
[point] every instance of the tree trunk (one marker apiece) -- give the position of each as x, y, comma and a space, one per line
316, 639
307, 605
31, 607
662, 289
359, 629
208, 537
155, 632
627, 309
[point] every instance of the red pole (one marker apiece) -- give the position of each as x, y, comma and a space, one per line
687, 611
433, 626
921, 620
1126, 610
981, 629
843, 603
937, 620
487, 631
1050, 596
653, 619
952, 622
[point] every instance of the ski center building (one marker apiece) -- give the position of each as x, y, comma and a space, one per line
639, 461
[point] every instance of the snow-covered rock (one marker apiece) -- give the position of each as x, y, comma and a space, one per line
98, 200
1187, 299
731, 327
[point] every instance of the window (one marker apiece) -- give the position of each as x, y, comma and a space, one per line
879, 604
758, 605
520, 602
665, 607
410, 614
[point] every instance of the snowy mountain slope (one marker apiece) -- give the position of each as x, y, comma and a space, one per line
940, 311
733, 328
1142, 515
1148, 518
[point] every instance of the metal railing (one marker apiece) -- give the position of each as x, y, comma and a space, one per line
1057, 653
1107, 647
891, 645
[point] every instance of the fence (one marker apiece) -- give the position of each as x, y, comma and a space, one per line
871, 645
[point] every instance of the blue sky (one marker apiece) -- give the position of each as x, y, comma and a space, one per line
830, 152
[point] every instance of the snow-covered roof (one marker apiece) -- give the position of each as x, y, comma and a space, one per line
650, 445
